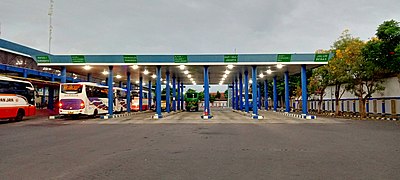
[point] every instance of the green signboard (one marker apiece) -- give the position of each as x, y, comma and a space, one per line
78, 59
284, 58
43, 59
130, 59
180, 59
321, 58
233, 58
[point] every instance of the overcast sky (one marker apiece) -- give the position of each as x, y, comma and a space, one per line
188, 26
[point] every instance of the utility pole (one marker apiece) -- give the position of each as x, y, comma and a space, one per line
50, 23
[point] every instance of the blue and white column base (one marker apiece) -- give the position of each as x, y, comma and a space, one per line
254, 116
206, 117
156, 116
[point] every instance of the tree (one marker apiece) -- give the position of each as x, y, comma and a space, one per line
164, 91
226, 94
364, 74
338, 66
319, 81
385, 49
201, 95
218, 95
212, 98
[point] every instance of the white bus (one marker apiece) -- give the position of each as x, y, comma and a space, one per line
86, 98
17, 99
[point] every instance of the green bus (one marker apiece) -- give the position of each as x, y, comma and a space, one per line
192, 101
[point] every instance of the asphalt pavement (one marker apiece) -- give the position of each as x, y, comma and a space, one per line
182, 146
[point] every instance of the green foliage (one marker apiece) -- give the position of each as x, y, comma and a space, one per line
226, 94
385, 49
201, 96
218, 95
212, 98
164, 91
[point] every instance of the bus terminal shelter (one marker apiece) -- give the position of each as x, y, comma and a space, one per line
243, 72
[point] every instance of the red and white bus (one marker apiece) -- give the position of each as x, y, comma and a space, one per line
17, 99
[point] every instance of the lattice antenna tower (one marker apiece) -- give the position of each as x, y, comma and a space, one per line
50, 23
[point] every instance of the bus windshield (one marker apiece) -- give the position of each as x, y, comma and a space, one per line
19, 88
71, 88
191, 95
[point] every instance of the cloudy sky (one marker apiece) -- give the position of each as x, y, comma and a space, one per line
189, 26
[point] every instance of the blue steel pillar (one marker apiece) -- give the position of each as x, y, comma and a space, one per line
206, 112
259, 96
140, 93
110, 91
236, 94
149, 96
304, 89
240, 92
158, 92
25, 73
173, 93
275, 94
246, 91
63, 74
178, 102
44, 97
182, 96
167, 103
266, 94
254, 89
287, 101
128, 91
89, 77
233, 94
50, 104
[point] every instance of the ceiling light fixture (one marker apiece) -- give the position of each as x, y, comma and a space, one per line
145, 72
182, 67
118, 76
225, 75
153, 76
87, 67
227, 72
279, 66
230, 66
105, 72
186, 72
269, 71
135, 67
189, 75
261, 75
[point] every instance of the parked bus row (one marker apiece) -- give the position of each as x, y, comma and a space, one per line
86, 98
17, 99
